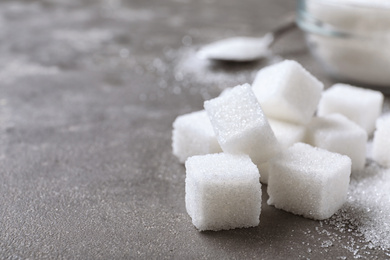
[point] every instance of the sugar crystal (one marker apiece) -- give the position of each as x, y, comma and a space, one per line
309, 181
193, 135
241, 127
222, 191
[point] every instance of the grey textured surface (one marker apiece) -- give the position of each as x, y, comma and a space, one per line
88, 93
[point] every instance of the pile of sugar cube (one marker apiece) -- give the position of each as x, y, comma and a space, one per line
288, 133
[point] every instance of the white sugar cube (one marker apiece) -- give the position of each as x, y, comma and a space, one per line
338, 134
287, 133
224, 92
193, 135
381, 141
383, 121
288, 92
222, 191
363, 106
309, 181
240, 125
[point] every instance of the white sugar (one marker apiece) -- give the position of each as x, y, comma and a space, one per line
189, 69
381, 142
287, 133
222, 191
363, 220
237, 49
338, 134
240, 125
383, 121
288, 92
309, 181
190, 138
351, 58
368, 207
363, 106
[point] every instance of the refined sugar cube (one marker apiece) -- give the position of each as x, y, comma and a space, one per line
288, 92
338, 134
240, 125
225, 91
222, 191
193, 135
381, 141
287, 133
363, 106
383, 121
309, 181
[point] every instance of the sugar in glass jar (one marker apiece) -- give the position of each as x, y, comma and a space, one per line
349, 38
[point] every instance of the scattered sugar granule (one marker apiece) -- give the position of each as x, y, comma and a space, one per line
368, 207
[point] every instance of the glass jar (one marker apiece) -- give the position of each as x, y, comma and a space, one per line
349, 38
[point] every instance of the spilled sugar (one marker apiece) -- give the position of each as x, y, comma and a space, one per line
363, 224
368, 207
190, 68
205, 71
366, 214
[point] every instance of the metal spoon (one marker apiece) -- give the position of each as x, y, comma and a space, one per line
245, 49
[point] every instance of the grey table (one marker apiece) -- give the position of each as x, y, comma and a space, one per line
89, 91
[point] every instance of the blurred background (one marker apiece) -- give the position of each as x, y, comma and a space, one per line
88, 93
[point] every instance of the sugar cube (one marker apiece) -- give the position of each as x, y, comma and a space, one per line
240, 125
309, 181
193, 135
225, 91
381, 141
383, 121
222, 191
363, 106
288, 92
287, 133
338, 134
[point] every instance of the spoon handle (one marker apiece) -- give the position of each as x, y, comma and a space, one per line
286, 26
